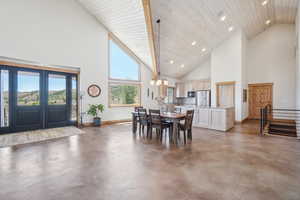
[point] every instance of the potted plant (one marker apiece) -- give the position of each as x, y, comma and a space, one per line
94, 110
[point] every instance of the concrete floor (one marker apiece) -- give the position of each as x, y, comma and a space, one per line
109, 163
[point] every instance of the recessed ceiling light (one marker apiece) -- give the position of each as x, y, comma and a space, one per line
171, 61
182, 66
268, 22
203, 50
231, 28
194, 43
265, 2
223, 18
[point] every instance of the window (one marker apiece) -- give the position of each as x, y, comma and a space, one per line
122, 66
28, 88
124, 86
170, 95
74, 99
124, 94
57, 89
4, 98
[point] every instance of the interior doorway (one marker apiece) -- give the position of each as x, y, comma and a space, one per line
260, 95
36, 99
226, 94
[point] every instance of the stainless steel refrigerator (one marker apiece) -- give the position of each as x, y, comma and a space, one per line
203, 98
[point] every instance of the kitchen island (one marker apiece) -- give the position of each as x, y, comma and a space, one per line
217, 118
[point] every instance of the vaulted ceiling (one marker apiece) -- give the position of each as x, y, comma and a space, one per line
126, 20
185, 21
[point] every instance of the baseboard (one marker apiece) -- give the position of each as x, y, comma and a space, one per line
240, 122
107, 122
110, 122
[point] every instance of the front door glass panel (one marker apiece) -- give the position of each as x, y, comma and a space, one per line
4, 98
57, 85
28, 88
74, 99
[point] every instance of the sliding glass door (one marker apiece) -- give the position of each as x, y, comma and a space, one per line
36, 99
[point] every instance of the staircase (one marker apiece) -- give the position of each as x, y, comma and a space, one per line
284, 122
284, 128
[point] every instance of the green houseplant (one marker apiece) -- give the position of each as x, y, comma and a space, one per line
94, 110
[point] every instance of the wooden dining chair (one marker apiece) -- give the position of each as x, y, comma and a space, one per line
186, 128
136, 108
157, 123
143, 120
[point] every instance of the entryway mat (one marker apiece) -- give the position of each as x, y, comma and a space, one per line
37, 135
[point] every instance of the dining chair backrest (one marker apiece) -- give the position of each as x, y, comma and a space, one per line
155, 117
189, 119
142, 114
137, 108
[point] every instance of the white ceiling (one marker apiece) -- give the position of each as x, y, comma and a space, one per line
183, 21
126, 20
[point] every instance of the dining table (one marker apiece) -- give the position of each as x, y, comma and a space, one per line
175, 118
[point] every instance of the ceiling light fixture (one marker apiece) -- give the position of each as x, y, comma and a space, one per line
182, 66
222, 16
265, 2
194, 43
268, 22
203, 50
157, 80
171, 62
231, 28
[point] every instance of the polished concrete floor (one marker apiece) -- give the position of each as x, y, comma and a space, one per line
109, 163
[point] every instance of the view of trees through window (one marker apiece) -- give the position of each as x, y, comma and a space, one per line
28, 88
57, 89
4, 98
124, 70
74, 99
124, 94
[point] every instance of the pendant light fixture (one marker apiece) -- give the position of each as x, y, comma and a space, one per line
158, 81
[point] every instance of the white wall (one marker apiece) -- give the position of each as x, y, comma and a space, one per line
271, 58
61, 32
226, 65
203, 71
297, 59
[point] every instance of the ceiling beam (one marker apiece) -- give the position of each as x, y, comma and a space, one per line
148, 18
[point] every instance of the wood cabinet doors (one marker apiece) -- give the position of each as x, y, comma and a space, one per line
259, 96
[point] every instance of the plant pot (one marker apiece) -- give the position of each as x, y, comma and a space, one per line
97, 121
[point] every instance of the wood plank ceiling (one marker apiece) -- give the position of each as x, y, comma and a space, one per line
126, 20
185, 21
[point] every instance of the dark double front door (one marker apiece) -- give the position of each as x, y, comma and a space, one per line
36, 99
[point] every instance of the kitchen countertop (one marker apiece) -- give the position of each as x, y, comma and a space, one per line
206, 107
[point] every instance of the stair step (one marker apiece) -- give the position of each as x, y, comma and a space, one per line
283, 126
283, 123
293, 131
283, 134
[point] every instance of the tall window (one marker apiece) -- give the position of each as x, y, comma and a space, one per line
124, 77
4, 98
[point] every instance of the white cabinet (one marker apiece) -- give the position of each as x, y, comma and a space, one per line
180, 90
218, 119
202, 117
214, 118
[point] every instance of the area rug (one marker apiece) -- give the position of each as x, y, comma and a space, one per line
37, 135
